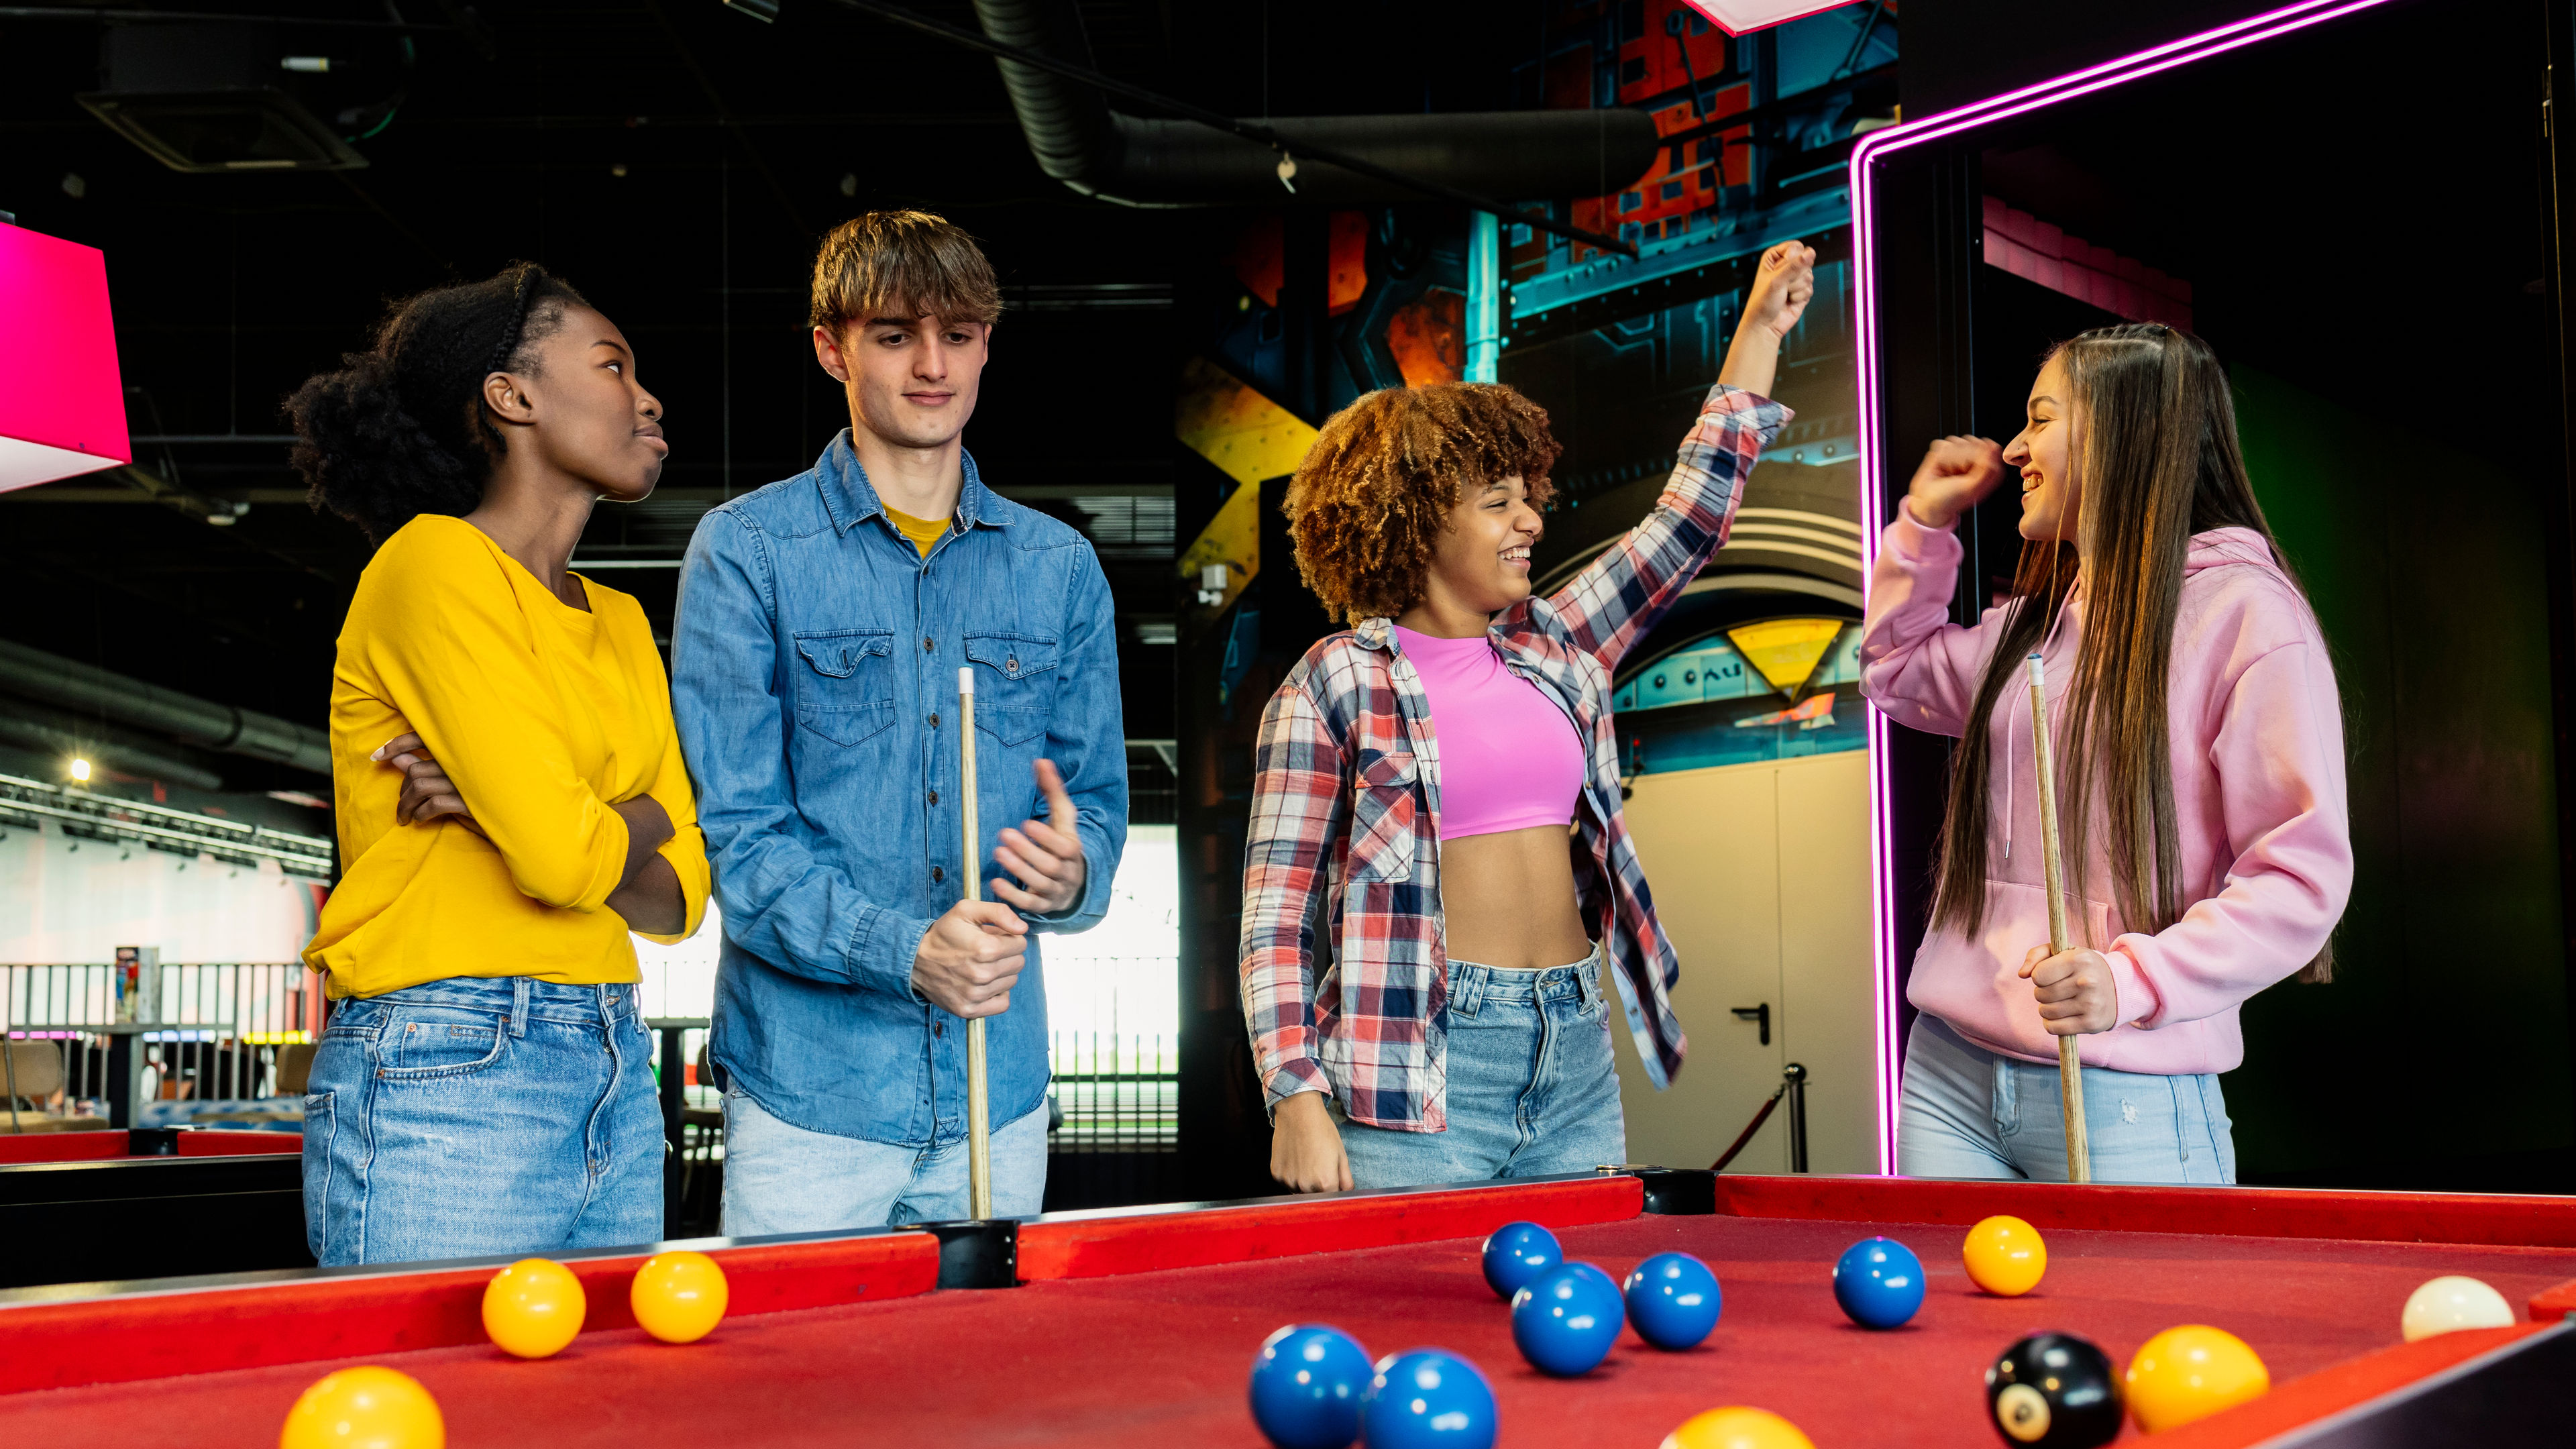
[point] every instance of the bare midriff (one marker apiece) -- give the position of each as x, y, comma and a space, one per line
1508, 899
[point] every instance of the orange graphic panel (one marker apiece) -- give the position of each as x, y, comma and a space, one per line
1429, 338
1260, 259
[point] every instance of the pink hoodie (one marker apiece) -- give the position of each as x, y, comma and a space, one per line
2257, 739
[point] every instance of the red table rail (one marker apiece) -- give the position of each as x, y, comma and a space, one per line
109, 1145
1130, 1241
194, 1330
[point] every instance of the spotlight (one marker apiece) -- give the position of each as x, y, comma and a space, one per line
80, 771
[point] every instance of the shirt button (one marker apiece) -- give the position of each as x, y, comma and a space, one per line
1011, 666
937, 875
936, 1029
927, 647
934, 797
934, 721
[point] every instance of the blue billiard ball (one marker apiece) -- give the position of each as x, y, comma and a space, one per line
1516, 1253
1565, 1320
1673, 1300
1879, 1282
1307, 1383
1427, 1399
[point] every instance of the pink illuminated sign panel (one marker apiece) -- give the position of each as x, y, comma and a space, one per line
1876, 147
1743, 17
62, 405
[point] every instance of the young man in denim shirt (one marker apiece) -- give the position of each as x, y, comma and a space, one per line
822, 623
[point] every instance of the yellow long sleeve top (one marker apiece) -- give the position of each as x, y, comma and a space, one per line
544, 716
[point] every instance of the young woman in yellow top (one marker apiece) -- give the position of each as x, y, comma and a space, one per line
511, 800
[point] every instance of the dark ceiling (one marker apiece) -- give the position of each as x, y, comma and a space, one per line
677, 160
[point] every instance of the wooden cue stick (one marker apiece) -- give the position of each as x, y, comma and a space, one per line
2070, 1070
979, 1139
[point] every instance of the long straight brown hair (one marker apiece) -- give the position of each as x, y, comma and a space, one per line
2156, 461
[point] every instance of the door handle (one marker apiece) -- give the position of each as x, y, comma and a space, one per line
1760, 1014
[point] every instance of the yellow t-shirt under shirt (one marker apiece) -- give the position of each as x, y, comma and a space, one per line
544, 715
925, 533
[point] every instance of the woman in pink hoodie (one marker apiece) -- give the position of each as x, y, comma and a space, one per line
2199, 749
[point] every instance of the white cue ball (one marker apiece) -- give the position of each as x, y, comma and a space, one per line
2446, 1304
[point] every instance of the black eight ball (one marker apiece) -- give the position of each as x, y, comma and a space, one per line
2056, 1391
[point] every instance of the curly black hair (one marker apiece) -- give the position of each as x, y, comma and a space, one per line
401, 429
1372, 495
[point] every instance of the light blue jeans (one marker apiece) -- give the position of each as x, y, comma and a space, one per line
1970, 1113
481, 1117
1533, 1088
781, 1178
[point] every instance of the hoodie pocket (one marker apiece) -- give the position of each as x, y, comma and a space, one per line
2017, 920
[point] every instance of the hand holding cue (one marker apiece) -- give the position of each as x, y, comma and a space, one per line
2070, 1070
979, 1140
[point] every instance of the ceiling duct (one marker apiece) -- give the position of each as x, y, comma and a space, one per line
89, 690
234, 97
1144, 161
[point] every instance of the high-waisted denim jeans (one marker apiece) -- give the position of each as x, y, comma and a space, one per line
480, 1117
782, 1178
1533, 1088
1970, 1113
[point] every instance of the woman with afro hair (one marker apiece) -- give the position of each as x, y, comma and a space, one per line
1445, 773
511, 799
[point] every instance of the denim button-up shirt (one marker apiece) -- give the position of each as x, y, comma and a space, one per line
814, 681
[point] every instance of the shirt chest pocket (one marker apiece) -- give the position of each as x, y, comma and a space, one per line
1384, 811
1015, 684
845, 687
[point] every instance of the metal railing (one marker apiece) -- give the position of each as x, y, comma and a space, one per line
1113, 1053
213, 1049
1117, 1093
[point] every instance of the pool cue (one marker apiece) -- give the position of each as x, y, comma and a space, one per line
979, 1137
2070, 1071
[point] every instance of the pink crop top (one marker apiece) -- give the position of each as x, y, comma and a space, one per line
1509, 758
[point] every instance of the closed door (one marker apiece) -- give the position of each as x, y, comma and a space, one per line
1760, 875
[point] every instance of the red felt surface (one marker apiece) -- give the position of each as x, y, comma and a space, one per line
1159, 1358
2402, 1217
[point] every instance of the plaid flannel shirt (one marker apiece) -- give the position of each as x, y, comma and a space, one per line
1346, 797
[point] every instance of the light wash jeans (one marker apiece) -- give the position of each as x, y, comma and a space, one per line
1970, 1113
781, 1178
481, 1117
1533, 1088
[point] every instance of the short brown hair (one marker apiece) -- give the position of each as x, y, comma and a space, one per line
1373, 494
912, 258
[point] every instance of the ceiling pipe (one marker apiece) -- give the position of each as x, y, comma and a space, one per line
1142, 161
57, 734
88, 690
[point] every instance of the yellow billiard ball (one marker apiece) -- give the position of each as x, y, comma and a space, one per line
2190, 1373
1737, 1428
364, 1408
533, 1308
678, 1297
2005, 1256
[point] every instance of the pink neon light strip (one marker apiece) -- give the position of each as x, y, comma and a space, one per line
1872, 424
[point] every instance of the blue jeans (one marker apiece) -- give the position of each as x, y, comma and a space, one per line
1533, 1088
1970, 1113
481, 1117
781, 1178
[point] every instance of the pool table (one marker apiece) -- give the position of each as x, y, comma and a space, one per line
150, 1200
1136, 1327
